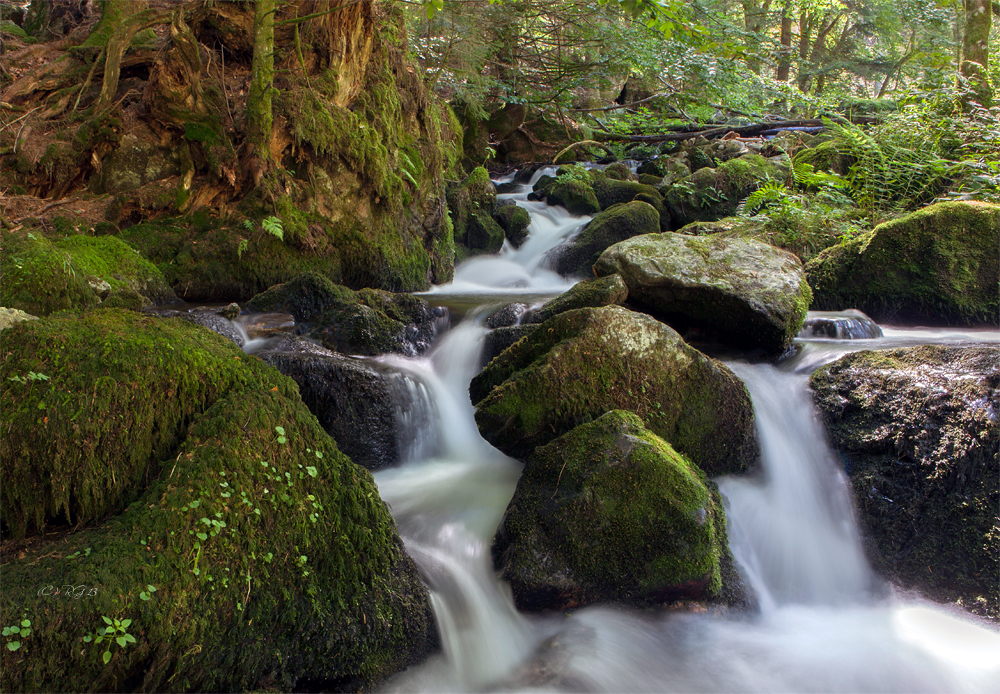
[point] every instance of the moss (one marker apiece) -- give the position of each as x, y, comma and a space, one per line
39, 278
938, 264
606, 229
297, 574
583, 363
611, 512
602, 291
120, 391
514, 220
576, 196
709, 194
124, 298
610, 191
117, 263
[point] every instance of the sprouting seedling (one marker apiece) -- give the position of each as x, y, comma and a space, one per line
116, 629
18, 631
281, 435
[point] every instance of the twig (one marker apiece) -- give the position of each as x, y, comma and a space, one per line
86, 82
618, 106
46, 208
582, 143
7, 125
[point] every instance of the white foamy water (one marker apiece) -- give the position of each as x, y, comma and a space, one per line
826, 624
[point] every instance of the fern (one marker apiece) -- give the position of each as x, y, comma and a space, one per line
771, 191
272, 225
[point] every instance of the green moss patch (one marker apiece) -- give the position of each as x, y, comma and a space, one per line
580, 364
939, 264
609, 512
118, 393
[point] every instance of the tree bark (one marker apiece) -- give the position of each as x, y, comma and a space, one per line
259, 109
975, 49
785, 56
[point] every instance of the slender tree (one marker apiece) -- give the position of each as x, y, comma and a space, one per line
974, 67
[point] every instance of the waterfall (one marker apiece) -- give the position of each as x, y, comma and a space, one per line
821, 627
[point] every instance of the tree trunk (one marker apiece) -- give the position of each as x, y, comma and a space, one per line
754, 20
117, 21
259, 113
785, 57
975, 49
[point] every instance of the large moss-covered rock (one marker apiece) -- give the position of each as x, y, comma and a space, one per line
601, 291
610, 512
577, 257
712, 193
41, 275
580, 364
918, 430
748, 293
365, 322
939, 264
610, 191
253, 553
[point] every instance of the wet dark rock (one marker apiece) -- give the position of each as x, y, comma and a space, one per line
514, 221
353, 399
500, 339
364, 322
230, 312
507, 188
506, 316
919, 433
208, 318
842, 325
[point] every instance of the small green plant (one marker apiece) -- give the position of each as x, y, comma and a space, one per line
281, 435
32, 376
17, 632
115, 630
148, 593
271, 225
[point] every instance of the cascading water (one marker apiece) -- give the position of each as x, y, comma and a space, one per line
822, 625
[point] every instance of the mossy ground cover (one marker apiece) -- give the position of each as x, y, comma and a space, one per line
611, 512
939, 264
41, 275
253, 553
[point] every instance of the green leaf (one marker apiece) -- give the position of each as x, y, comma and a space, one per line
121, 641
13, 645
106, 620
202, 536
88, 638
311, 470
151, 589
130, 638
126, 622
107, 657
25, 622
144, 596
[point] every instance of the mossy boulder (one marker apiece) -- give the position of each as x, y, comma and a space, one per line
937, 265
577, 256
42, 275
610, 512
747, 293
252, 553
712, 193
576, 195
471, 204
611, 191
514, 220
601, 291
365, 322
918, 431
580, 364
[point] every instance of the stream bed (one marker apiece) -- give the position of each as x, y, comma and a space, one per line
826, 623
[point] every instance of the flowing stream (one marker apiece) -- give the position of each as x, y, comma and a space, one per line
825, 624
